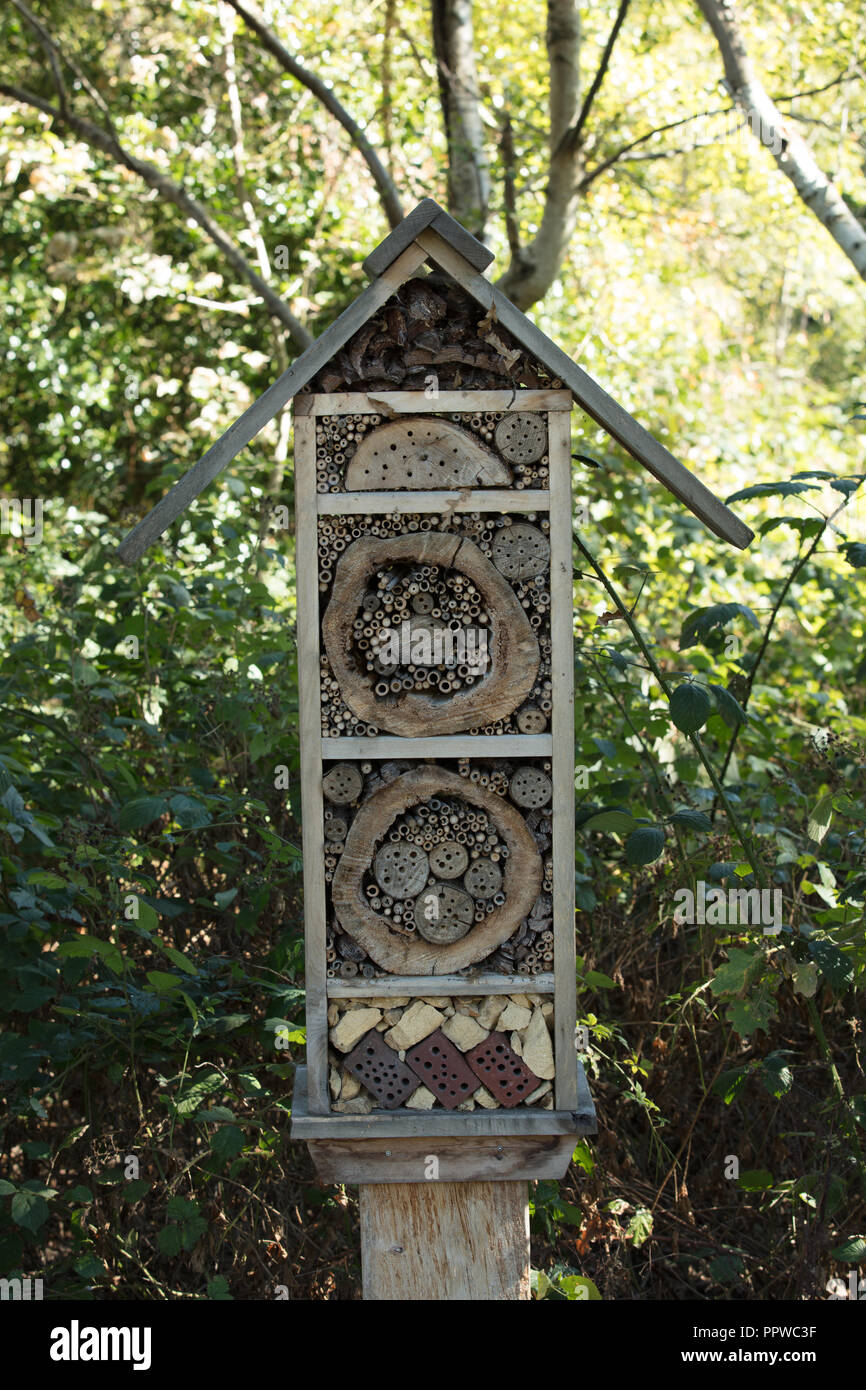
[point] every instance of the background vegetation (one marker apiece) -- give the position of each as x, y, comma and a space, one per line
144, 712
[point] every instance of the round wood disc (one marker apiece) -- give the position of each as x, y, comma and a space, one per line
448, 860
423, 602
337, 828
521, 438
343, 784
483, 879
530, 788
530, 720
520, 551
444, 913
401, 870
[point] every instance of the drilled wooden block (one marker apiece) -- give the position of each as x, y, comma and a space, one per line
498, 1067
378, 1067
439, 1064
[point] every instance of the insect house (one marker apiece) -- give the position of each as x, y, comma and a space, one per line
432, 447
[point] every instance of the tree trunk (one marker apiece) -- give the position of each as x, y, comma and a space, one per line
790, 152
468, 175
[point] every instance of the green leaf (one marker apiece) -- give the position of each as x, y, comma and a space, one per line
776, 1074
611, 822
730, 1083
850, 1251
693, 820
835, 966
729, 708
855, 554
578, 1289
690, 707
218, 1289
738, 971
7, 1189
726, 1268
29, 1210
820, 818
755, 1180
596, 980
141, 811
169, 1240
87, 945
539, 1283
747, 1016
644, 845
703, 621
640, 1227
772, 490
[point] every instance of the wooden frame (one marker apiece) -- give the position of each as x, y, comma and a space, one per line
312, 1116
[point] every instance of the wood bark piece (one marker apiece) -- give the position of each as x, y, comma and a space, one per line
483, 879
444, 913
512, 647
438, 1241
530, 787
343, 784
449, 859
521, 438
521, 551
405, 956
418, 453
401, 870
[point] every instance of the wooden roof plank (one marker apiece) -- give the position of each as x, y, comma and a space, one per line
427, 213
594, 399
263, 410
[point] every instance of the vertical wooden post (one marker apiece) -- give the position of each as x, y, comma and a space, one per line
437, 1241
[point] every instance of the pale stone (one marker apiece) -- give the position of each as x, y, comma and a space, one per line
547, 1103
361, 1105
450, 1011
352, 1027
438, 1001
467, 1104
516, 1044
417, 1022
381, 1025
536, 998
334, 1083
483, 1098
514, 1017
333, 1014
464, 1032
467, 1007
537, 1047
393, 1016
523, 1001
383, 1001
422, 1099
490, 1011
547, 1010
539, 1093
351, 1086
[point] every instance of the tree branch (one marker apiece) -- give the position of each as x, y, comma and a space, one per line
468, 174
793, 157
386, 188
575, 133
93, 135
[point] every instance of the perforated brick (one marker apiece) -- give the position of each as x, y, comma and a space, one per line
378, 1067
506, 1076
439, 1064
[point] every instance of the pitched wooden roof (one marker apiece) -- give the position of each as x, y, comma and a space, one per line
428, 233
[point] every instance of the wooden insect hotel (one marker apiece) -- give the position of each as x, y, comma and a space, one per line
435, 651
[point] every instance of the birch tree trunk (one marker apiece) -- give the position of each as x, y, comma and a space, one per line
792, 155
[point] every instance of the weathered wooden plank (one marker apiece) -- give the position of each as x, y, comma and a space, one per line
312, 817
427, 213
418, 402
562, 725
492, 499
441, 985
594, 399
455, 1159
407, 1124
448, 746
247, 426
445, 1241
